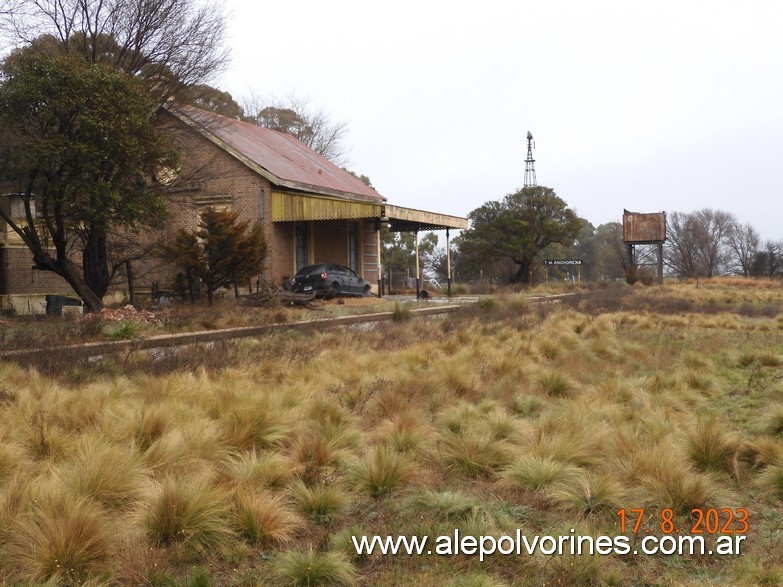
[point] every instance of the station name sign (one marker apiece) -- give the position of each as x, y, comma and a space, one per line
562, 261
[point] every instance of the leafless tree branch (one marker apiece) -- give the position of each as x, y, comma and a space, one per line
171, 43
296, 116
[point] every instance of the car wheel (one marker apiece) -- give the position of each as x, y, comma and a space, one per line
366, 290
334, 291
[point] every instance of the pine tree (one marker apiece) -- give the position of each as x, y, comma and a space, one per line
223, 252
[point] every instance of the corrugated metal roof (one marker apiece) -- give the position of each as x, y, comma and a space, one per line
409, 219
286, 161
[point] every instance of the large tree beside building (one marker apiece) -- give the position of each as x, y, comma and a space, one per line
80, 150
519, 227
79, 97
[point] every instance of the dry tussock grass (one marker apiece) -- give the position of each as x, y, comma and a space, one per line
266, 519
506, 416
59, 536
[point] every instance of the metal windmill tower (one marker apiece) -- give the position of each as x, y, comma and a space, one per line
530, 163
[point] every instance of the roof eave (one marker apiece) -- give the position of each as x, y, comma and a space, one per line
321, 191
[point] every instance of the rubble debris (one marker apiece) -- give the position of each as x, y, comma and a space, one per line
130, 314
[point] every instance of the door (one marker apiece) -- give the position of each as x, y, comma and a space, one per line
353, 246
301, 246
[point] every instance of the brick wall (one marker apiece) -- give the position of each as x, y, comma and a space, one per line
22, 279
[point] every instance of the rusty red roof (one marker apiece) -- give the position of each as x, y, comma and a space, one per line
280, 157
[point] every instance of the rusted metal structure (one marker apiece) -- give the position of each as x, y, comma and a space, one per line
643, 236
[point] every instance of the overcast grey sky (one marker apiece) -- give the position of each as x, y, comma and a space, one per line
666, 105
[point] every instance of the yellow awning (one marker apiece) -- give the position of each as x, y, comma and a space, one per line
410, 219
297, 207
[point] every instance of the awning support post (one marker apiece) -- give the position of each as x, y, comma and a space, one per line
378, 262
418, 270
448, 264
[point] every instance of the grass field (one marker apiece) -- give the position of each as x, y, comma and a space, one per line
255, 462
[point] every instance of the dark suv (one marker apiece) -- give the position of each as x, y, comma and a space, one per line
329, 279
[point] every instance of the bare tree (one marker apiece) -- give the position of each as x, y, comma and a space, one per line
743, 244
681, 245
697, 242
712, 228
297, 117
170, 43
769, 260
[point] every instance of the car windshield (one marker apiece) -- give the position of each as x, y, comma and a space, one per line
320, 268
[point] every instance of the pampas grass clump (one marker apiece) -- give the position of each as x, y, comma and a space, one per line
310, 568
475, 454
265, 519
110, 475
454, 505
555, 384
534, 472
321, 503
670, 482
255, 426
381, 471
403, 433
189, 511
771, 480
710, 447
252, 470
62, 537
590, 493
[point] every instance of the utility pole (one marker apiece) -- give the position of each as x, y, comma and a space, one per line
530, 163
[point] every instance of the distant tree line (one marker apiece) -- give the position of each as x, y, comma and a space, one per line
711, 242
509, 239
